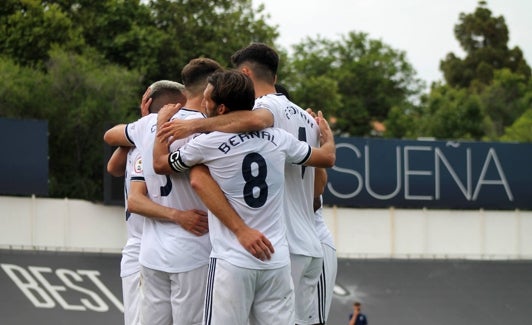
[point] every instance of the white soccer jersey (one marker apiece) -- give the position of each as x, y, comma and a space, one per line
134, 222
167, 246
324, 234
299, 180
249, 167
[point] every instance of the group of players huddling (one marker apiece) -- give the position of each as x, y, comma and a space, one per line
224, 177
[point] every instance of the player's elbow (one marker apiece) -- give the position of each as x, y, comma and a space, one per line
133, 203
160, 165
106, 136
114, 170
330, 160
195, 183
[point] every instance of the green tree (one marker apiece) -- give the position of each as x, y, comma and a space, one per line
450, 113
86, 94
521, 130
361, 78
30, 28
485, 91
214, 29
77, 95
484, 38
504, 100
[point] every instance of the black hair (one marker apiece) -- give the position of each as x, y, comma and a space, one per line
233, 89
262, 60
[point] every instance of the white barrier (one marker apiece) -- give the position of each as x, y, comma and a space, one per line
77, 225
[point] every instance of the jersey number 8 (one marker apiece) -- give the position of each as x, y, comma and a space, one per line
255, 183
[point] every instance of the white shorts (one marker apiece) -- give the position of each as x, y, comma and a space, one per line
306, 272
240, 296
326, 283
132, 296
173, 298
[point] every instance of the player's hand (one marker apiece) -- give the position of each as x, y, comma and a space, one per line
255, 243
166, 113
194, 221
311, 112
145, 103
176, 129
325, 130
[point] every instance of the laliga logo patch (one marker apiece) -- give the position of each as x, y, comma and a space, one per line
290, 110
138, 165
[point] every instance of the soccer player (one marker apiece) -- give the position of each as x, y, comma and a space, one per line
122, 163
174, 257
330, 261
260, 63
250, 169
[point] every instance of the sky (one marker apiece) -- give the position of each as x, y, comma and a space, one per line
424, 29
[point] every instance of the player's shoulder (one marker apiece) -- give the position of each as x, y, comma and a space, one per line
186, 114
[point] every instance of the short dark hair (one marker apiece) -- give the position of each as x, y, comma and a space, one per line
357, 304
233, 89
262, 59
282, 90
194, 74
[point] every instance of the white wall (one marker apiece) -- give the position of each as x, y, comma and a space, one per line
66, 224
60, 224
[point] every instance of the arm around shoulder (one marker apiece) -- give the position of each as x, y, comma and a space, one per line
116, 136
116, 165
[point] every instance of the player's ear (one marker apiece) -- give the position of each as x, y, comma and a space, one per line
246, 70
222, 109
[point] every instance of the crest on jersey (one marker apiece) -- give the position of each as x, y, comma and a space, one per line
138, 165
289, 111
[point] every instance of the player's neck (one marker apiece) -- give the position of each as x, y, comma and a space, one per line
262, 89
194, 103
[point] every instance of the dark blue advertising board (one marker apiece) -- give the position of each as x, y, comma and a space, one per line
24, 162
54, 288
382, 173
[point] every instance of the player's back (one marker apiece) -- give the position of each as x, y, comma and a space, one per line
299, 180
167, 246
249, 167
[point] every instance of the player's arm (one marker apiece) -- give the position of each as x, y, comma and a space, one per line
194, 221
213, 197
160, 145
116, 136
236, 122
116, 165
325, 155
320, 180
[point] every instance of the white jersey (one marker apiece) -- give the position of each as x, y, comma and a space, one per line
134, 222
249, 167
299, 184
324, 234
167, 246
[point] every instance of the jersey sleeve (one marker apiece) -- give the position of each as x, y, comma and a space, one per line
265, 103
297, 152
190, 154
133, 130
178, 143
137, 173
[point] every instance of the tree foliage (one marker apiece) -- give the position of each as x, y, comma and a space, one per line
29, 29
521, 129
77, 96
83, 65
356, 80
484, 38
483, 94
